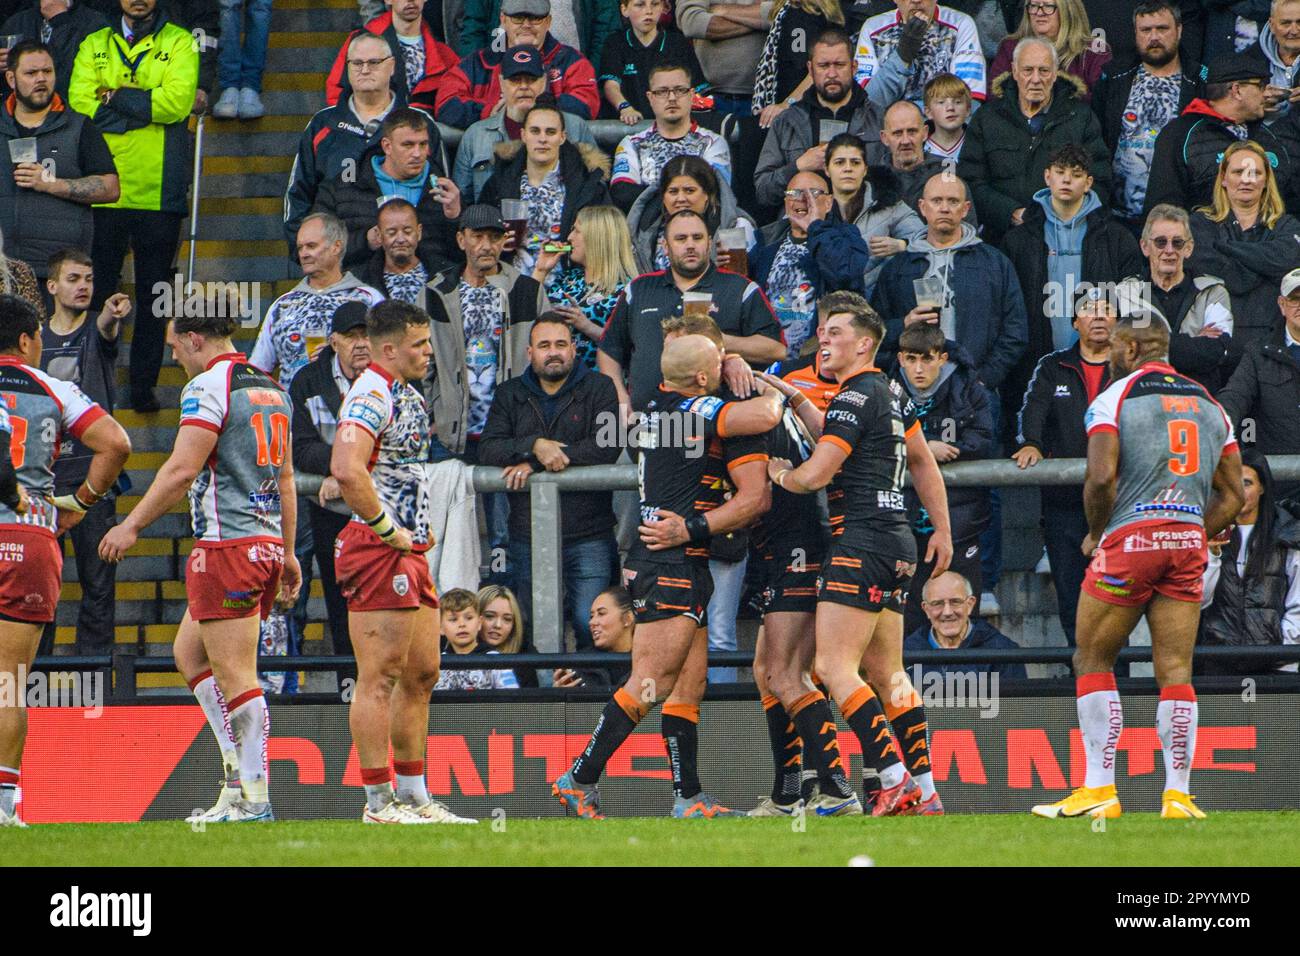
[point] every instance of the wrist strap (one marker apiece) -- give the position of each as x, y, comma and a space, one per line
382, 525
697, 526
780, 478
624, 105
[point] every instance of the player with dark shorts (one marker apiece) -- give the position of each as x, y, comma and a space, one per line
1164, 473
37, 413
869, 436
233, 458
379, 457
667, 567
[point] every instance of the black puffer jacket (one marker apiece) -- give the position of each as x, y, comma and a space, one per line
356, 204
958, 413
1263, 399
583, 168
1248, 612
1109, 254
1003, 161
68, 29
1251, 263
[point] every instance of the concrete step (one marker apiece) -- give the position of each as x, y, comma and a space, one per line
241, 226
296, 102
251, 144
316, 58
246, 185
315, 18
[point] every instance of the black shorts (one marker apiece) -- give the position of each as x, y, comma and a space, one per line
862, 578
661, 591
789, 579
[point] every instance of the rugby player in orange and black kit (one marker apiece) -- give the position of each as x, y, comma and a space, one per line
869, 436
671, 586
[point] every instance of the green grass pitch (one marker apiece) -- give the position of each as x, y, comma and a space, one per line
1137, 839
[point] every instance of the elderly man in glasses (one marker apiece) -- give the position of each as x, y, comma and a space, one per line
948, 602
1197, 307
804, 255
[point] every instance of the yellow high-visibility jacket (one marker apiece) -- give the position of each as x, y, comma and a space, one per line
145, 122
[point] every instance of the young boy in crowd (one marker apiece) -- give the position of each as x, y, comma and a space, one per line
947, 106
957, 421
624, 71
462, 626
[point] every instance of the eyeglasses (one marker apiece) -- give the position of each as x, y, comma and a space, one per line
1047, 8
810, 193
672, 92
524, 18
953, 603
363, 65
1165, 242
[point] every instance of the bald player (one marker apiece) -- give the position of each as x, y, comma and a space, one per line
1163, 474
671, 586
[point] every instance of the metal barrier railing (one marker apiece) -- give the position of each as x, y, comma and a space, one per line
122, 669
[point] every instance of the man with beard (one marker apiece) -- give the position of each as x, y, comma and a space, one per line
795, 142
1164, 475
552, 416
42, 214
1134, 103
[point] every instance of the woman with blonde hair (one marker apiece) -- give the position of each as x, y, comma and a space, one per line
1247, 239
598, 263
783, 67
1065, 24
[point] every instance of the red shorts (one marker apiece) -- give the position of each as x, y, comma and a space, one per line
31, 566
229, 580
1167, 557
374, 577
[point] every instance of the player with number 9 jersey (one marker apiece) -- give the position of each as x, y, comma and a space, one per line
1171, 436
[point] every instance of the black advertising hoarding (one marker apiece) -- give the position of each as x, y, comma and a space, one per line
161, 762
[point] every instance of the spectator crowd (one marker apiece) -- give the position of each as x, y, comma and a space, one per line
1000, 179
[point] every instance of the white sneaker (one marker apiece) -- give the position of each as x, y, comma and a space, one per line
250, 105
989, 606
435, 812
228, 105
241, 811
228, 798
8, 820
393, 812
1044, 566
767, 807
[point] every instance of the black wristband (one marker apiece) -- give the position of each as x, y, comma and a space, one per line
697, 526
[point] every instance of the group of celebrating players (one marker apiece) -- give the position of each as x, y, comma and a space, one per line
1163, 473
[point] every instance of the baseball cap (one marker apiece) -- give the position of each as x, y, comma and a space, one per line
1291, 282
480, 216
1233, 67
531, 8
349, 316
522, 61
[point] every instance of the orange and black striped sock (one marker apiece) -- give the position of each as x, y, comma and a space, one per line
617, 721
816, 727
787, 751
679, 726
866, 718
912, 732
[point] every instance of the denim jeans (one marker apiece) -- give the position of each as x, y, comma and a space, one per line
728, 584
240, 66
735, 105
588, 567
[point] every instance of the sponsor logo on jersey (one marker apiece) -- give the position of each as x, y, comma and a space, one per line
1116, 586
1062, 391
853, 398
240, 600
189, 406
841, 415
365, 411
707, 406
401, 585
889, 500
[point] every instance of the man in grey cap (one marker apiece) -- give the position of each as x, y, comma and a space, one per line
523, 80
581, 24
1186, 158
472, 91
1263, 394
480, 316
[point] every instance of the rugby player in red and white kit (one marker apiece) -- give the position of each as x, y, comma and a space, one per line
37, 412
233, 457
1163, 474
379, 457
